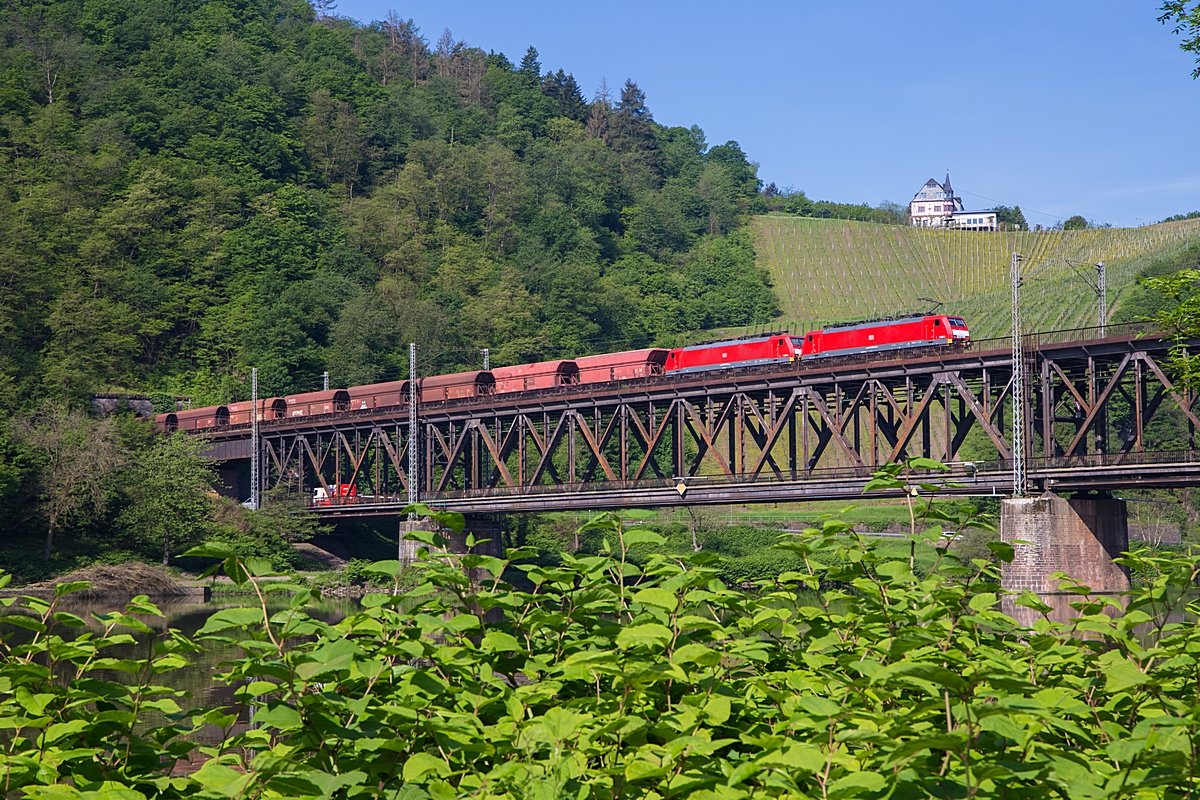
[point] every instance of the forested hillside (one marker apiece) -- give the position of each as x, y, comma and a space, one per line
189, 189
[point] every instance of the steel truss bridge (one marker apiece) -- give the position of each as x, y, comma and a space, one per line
1100, 410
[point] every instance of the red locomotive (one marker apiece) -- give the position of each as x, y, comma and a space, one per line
891, 334
918, 330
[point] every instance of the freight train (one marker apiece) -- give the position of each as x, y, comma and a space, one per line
846, 339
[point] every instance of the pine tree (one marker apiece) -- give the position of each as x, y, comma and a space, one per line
633, 128
531, 68
563, 89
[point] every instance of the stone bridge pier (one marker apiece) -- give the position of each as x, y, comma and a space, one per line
1080, 537
483, 526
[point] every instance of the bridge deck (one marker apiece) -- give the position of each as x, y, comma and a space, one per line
1102, 414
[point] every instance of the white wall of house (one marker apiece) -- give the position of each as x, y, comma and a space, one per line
974, 221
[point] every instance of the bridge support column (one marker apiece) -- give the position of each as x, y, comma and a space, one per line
482, 527
1079, 537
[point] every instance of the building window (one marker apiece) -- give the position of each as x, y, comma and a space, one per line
920, 209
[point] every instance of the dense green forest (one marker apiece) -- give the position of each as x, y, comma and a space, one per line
194, 188
191, 189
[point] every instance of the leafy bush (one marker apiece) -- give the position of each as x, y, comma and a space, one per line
848, 677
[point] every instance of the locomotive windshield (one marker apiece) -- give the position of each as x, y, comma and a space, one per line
958, 322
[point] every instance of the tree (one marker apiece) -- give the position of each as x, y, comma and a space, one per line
563, 89
633, 121
77, 458
600, 113
1185, 16
169, 488
1075, 223
1011, 218
530, 69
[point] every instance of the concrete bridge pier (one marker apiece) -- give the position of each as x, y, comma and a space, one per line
1079, 537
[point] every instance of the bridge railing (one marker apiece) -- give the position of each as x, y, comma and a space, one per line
965, 472
987, 473
1120, 330
1094, 460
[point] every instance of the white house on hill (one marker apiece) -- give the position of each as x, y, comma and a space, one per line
935, 206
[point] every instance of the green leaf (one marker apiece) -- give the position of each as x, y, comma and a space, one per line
212, 550
231, 618
795, 756
820, 706
925, 463
698, 654
1028, 599
856, 783
645, 635
1003, 551
22, 621
62, 589
279, 716
450, 519
387, 569
641, 536
222, 780
501, 642
331, 657
640, 770
660, 598
60, 729
982, 601
925, 672
888, 482
421, 766
718, 709
259, 567
1120, 673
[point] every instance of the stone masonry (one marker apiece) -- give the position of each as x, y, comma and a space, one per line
1079, 537
482, 527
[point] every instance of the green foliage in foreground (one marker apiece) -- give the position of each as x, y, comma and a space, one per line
604, 679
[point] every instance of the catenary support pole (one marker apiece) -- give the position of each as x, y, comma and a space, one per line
1101, 297
254, 443
487, 363
325, 381
413, 438
1020, 485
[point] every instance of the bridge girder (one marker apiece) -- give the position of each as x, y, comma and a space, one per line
768, 435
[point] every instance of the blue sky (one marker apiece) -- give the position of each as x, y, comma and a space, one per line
1063, 107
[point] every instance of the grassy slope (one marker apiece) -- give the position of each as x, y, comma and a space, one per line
833, 270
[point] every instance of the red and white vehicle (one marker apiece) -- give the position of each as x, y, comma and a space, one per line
774, 349
926, 330
339, 494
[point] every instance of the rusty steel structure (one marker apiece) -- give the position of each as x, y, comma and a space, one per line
1099, 413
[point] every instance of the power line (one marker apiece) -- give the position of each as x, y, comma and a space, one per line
1001, 202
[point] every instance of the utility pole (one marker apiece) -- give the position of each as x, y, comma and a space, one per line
254, 448
325, 382
412, 427
1101, 297
1020, 484
487, 364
